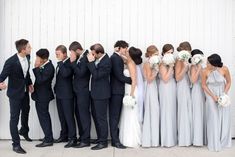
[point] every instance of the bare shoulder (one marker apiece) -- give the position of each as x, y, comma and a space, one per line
205, 71
225, 68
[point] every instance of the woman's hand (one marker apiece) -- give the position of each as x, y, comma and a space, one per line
215, 98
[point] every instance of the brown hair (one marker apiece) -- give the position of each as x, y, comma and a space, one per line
166, 48
61, 48
151, 50
21, 44
98, 48
74, 46
184, 46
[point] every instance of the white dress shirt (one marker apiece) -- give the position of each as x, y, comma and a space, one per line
24, 64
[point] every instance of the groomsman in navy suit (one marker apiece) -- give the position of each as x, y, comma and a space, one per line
43, 94
100, 68
16, 68
117, 80
78, 59
64, 97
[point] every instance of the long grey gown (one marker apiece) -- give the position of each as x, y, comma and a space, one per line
199, 116
168, 112
184, 112
151, 121
218, 118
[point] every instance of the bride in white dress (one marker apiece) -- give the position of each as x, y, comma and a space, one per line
130, 131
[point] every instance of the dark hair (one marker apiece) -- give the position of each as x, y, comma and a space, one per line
166, 48
184, 46
98, 48
194, 52
75, 45
215, 60
61, 48
21, 44
43, 53
121, 43
151, 50
135, 55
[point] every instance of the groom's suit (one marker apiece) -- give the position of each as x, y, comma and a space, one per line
118, 81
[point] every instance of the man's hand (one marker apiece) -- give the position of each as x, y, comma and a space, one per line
90, 57
37, 62
31, 88
73, 56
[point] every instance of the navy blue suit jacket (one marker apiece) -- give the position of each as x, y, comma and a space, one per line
42, 85
17, 83
100, 84
64, 77
117, 78
81, 75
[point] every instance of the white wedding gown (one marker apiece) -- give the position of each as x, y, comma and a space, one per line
130, 131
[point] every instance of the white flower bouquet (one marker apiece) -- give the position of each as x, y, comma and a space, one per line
197, 59
154, 61
129, 101
184, 55
168, 59
224, 100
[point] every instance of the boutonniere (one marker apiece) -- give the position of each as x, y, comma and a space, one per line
41, 68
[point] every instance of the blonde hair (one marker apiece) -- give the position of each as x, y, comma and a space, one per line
151, 50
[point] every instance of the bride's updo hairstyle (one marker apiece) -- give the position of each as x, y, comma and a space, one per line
215, 60
135, 55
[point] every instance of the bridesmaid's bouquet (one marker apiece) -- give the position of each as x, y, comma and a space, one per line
154, 61
168, 59
197, 59
129, 101
184, 55
224, 100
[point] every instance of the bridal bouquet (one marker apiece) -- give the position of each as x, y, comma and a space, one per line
168, 59
184, 55
197, 59
224, 100
154, 61
129, 101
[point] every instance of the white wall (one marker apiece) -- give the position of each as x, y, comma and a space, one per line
207, 24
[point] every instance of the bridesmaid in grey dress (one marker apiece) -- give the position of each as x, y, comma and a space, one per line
168, 106
184, 99
216, 81
151, 130
198, 102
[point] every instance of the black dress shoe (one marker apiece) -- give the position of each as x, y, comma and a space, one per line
19, 150
118, 145
45, 144
26, 137
59, 140
99, 146
94, 141
81, 145
71, 143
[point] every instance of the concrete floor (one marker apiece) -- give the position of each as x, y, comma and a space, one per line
58, 150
